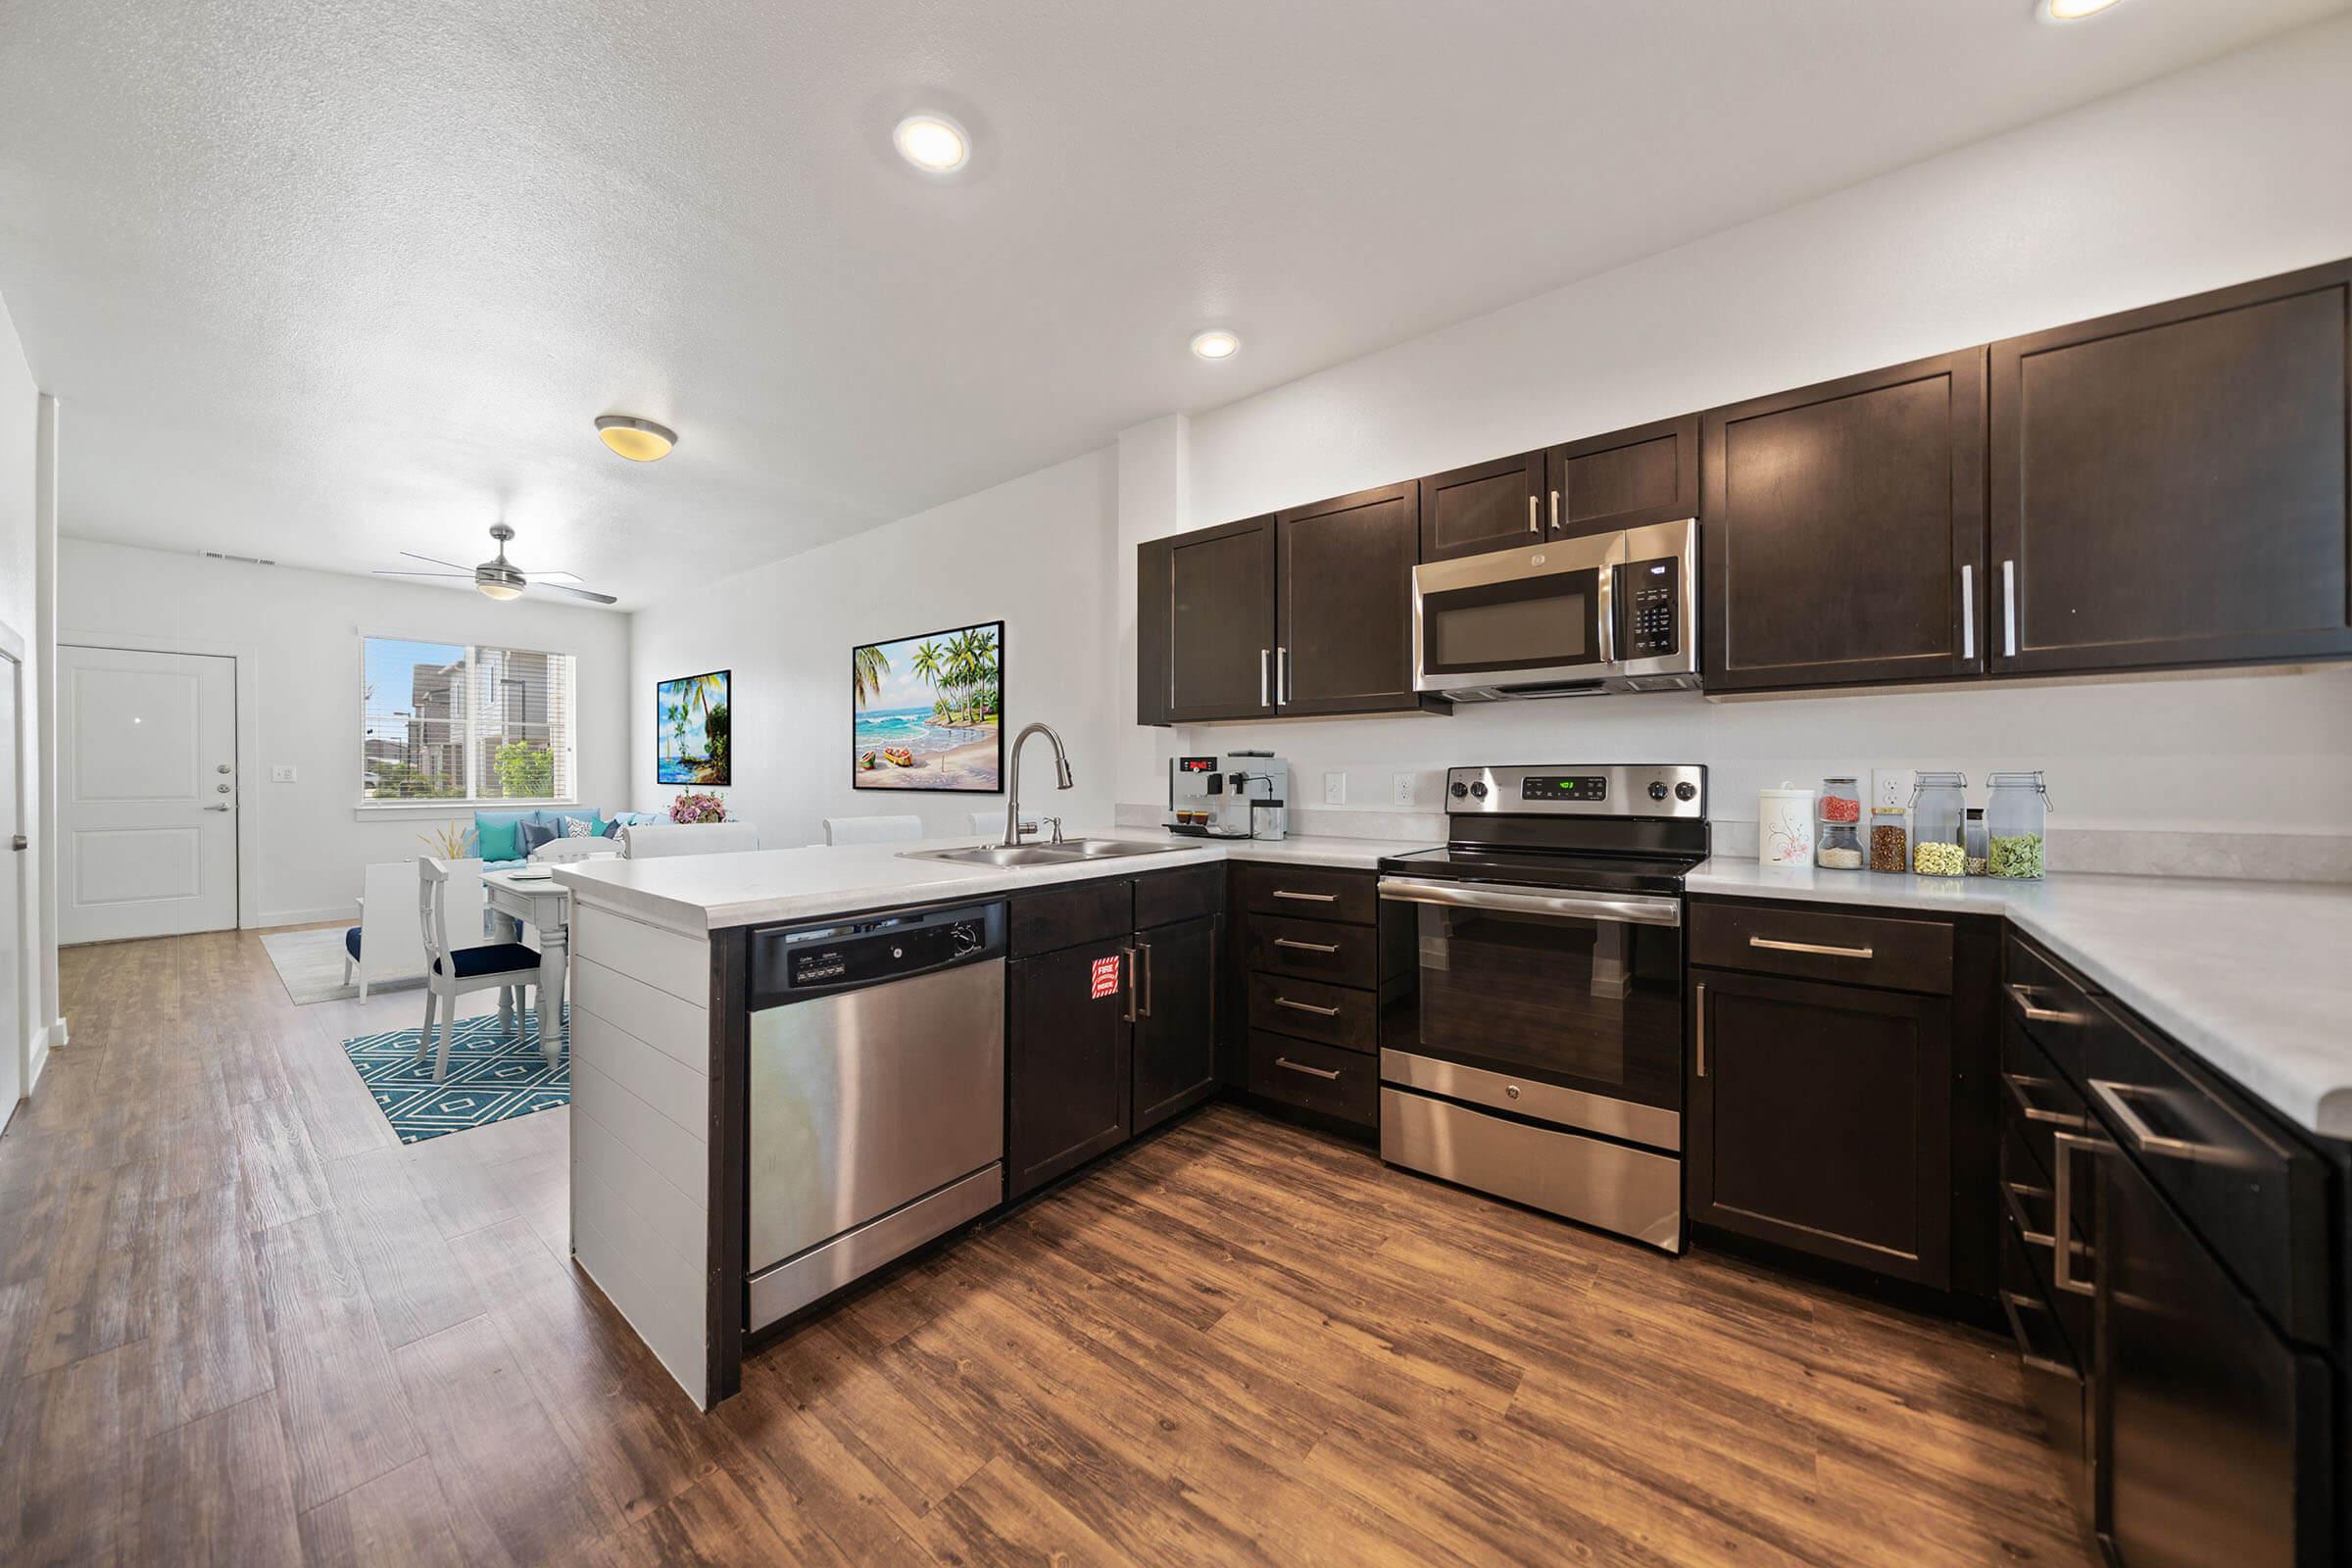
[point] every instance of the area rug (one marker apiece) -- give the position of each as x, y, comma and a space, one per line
492, 1076
310, 965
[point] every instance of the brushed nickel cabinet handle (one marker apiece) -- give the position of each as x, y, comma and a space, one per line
1144, 1008
2147, 1139
1130, 952
1967, 612
1534, 521
2063, 1246
1299, 1066
1555, 511
2009, 608
1307, 898
1306, 1006
2019, 1081
1265, 665
1777, 946
1282, 674
1701, 1012
2023, 996
1307, 947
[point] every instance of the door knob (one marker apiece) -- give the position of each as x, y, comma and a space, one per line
19, 842
218, 806
223, 768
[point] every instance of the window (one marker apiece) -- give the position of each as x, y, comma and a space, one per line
445, 721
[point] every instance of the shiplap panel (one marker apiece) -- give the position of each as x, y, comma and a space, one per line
680, 1093
680, 1158
664, 960
677, 1028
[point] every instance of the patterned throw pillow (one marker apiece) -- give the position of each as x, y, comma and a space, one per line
579, 827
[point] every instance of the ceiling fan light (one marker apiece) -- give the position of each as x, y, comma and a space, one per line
638, 440
501, 591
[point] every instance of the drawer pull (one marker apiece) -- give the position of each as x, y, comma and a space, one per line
1698, 1018
1307, 947
1307, 898
2014, 1305
2034, 1011
2015, 1191
1306, 1006
1324, 1073
2145, 1139
2062, 1214
2019, 1081
1809, 946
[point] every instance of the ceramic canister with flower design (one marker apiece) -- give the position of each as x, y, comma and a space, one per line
1784, 826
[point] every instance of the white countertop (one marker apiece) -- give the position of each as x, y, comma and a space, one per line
698, 893
2255, 977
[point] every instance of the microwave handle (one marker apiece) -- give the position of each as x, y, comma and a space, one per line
1605, 613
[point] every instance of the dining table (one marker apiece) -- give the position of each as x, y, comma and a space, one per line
532, 895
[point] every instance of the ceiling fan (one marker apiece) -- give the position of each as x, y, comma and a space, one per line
500, 578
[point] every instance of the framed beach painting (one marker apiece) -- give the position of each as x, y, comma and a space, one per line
692, 730
927, 712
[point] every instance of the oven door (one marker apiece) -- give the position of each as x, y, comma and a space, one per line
1564, 1007
1517, 618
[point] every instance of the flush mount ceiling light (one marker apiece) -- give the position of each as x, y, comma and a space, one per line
638, 440
2071, 10
932, 143
1215, 344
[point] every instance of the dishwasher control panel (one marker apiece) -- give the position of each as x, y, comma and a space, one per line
791, 963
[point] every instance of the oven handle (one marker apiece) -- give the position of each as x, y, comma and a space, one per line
1633, 907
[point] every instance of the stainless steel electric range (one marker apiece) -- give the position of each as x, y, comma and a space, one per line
1534, 1049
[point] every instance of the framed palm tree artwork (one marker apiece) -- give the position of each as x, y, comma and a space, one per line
928, 712
692, 730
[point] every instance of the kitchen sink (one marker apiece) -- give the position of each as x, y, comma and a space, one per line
1064, 853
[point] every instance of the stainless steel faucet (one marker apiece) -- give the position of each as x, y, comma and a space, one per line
1012, 793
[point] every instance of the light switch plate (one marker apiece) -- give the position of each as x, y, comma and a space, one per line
1400, 788
281, 774
1335, 789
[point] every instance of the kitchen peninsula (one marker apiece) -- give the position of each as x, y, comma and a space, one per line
2239, 973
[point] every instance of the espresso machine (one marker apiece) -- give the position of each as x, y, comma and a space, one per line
1235, 795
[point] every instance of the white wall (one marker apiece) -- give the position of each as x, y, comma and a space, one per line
20, 425
310, 842
2232, 170
1037, 552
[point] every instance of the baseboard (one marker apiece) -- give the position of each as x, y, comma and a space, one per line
270, 919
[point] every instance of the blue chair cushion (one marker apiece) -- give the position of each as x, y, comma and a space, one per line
351, 941
499, 958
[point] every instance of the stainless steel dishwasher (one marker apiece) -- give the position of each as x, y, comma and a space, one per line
877, 1095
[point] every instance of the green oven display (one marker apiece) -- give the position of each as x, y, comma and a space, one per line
1565, 787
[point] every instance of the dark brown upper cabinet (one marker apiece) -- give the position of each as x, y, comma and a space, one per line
2169, 484
1842, 530
1345, 586
1204, 635
1488, 506
1625, 479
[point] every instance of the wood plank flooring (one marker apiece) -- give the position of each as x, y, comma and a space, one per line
239, 1323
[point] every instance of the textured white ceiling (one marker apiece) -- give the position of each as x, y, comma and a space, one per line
321, 281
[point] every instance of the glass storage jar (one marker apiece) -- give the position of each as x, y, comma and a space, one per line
1841, 802
1938, 812
1840, 848
1889, 843
1973, 841
2015, 815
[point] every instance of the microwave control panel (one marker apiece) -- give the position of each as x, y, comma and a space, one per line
1651, 593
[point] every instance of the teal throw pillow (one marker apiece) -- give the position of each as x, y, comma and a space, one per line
497, 836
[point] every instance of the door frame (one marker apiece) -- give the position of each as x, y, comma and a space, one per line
247, 662
29, 925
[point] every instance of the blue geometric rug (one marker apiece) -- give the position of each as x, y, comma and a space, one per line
491, 1076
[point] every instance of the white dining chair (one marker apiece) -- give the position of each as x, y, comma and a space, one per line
654, 841
871, 829
449, 971
384, 946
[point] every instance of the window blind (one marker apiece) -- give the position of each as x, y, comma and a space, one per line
454, 721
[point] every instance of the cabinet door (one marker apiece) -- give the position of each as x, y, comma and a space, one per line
2169, 484
1175, 1018
1344, 640
1821, 1119
1066, 1054
1205, 625
1843, 530
1488, 506
1625, 479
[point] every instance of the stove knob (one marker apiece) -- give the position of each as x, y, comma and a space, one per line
1478, 790
1460, 789
1686, 791
1657, 791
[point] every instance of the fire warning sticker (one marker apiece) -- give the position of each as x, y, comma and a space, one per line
1106, 978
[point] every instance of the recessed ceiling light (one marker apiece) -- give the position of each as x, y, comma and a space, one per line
932, 143
1216, 344
2071, 10
638, 440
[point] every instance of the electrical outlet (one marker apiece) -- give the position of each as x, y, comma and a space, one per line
1890, 786
1335, 789
281, 774
1400, 788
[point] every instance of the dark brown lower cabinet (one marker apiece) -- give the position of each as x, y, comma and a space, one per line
1176, 1018
1820, 1118
1067, 1054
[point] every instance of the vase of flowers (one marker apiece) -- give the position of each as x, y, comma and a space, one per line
690, 806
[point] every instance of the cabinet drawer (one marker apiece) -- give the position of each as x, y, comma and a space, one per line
2048, 1004
1163, 898
1309, 890
1312, 950
2051, 1367
2029, 1212
1337, 1016
2037, 1103
1067, 917
1862, 950
1298, 1073
2252, 1190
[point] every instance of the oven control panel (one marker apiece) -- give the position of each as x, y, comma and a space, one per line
1565, 787
1650, 592
1675, 789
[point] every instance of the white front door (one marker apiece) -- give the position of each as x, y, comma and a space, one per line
147, 819
12, 894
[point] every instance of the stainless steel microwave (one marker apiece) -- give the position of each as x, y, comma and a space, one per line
1575, 617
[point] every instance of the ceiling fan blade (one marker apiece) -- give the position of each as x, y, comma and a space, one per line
393, 571
437, 560
572, 578
576, 593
